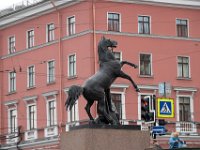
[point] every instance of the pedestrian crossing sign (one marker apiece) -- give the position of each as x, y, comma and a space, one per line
165, 108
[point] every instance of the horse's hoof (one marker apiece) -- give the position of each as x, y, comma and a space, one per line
91, 122
137, 90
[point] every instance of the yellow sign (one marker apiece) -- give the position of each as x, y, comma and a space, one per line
165, 108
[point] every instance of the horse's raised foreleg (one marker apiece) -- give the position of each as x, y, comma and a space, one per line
128, 63
125, 76
87, 108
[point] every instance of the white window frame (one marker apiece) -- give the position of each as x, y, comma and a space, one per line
150, 31
75, 66
191, 105
120, 20
12, 105
68, 25
123, 107
13, 51
189, 69
28, 77
9, 121
55, 112
48, 74
9, 82
120, 52
121, 89
27, 38
139, 103
151, 64
28, 116
52, 32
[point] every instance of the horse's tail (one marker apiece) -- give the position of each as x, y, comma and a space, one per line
73, 94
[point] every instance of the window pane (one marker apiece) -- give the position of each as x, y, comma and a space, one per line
113, 22
32, 116
12, 80
13, 120
144, 24
51, 71
145, 64
184, 109
116, 98
11, 44
50, 32
183, 67
182, 28
72, 65
71, 25
30, 39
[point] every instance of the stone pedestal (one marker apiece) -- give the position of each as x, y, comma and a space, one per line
93, 137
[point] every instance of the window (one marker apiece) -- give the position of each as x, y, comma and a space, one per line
12, 120
184, 109
31, 117
117, 100
31, 76
50, 32
11, 44
72, 65
113, 22
71, 25
51, 113
182, 28
51, 72
183, 67
117, 55
145, 64
12, 81
144, 24
30, 38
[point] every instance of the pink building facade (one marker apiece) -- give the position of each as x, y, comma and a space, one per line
49, 46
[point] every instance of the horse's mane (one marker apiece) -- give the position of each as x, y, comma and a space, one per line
105, 55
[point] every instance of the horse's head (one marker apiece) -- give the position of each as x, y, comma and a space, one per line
105, 49
107, 44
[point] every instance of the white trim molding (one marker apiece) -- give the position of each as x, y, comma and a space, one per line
148, 87
27, 99
11, 103
185, 89
51, 93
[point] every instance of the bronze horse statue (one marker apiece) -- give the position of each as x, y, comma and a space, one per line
97, 87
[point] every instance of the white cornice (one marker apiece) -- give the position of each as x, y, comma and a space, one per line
192, 4
51, 93
185, 89
11, 102
148, 87
32, 12
30, 98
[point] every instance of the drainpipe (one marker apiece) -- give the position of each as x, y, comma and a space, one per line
94, 35
60, 66
1, 96
94, 43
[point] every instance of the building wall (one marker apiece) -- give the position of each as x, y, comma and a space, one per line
162, 43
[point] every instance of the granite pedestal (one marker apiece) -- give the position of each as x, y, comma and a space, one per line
102, 137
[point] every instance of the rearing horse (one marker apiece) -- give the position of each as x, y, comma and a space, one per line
94, 88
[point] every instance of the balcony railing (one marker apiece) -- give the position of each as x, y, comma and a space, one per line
186, 127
